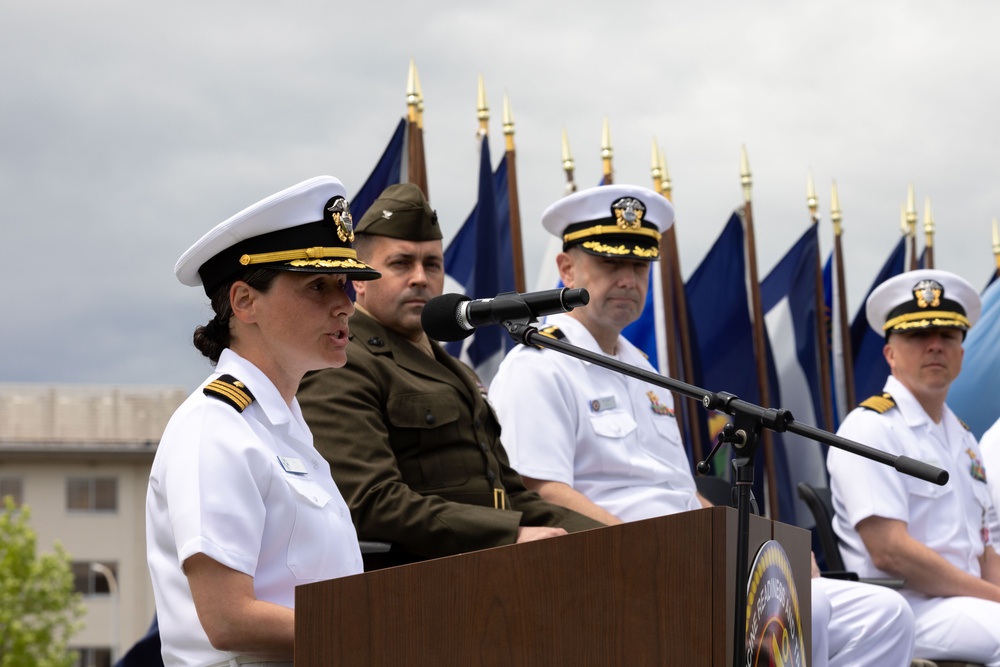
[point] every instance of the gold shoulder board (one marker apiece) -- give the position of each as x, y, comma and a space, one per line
552, 332
229, 390
879, 404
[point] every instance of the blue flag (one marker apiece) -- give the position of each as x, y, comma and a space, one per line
717, 308
788, 299
973, 394
719, 316
870, 366
387, 172
479, 261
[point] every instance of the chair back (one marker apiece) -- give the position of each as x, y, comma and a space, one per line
819, 499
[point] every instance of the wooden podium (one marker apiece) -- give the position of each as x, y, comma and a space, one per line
654, 592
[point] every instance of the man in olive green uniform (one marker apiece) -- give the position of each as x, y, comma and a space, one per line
413, 445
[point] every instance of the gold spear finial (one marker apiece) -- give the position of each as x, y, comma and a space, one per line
667, 183
567, 162
412, 95
606, 150
911, 212
904, 228
420, 97
746, 178
835, 216
928, 223
482, 108
655, 171
567, 157
811, 200
508, 123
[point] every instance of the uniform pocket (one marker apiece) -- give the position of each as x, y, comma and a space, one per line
617, 424
433, 450
313, 516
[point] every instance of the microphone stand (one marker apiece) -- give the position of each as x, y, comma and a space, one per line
744, 434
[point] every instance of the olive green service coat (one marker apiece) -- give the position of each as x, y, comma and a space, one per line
415, 449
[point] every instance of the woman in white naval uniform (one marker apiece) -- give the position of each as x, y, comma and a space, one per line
241, 508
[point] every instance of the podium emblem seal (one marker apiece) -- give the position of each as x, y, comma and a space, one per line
774, 626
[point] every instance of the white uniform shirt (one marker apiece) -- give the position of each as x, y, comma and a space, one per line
611, 437
217, 487
953, 519
989, 445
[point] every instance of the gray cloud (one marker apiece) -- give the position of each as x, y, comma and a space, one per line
128, 130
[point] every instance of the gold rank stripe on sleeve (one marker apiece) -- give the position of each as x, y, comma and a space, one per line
231, 391
879, 404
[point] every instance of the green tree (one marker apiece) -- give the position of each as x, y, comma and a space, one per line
39, 610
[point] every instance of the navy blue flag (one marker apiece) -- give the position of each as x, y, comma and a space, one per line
388, 171
479, 262
788, 299
973, 394
719, 316
870, 366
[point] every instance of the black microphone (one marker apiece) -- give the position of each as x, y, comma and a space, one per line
451, 317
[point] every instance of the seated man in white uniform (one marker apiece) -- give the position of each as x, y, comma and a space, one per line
936, 538
989, 445
607, 445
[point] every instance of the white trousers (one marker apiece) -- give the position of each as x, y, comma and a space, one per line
958, 628
859, 624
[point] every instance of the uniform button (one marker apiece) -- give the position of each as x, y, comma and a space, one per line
490, 476
430, 418
478, 423
375, 341
482, 446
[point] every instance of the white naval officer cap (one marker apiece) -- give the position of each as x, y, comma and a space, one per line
307, 227
624, 221
923, 299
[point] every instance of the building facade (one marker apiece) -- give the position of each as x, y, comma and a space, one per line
79, 457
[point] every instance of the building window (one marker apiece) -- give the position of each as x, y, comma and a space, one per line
92, 494
92, 657
90, 581
13, 487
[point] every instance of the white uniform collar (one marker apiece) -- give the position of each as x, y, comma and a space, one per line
580, 336
265, 394
908, 405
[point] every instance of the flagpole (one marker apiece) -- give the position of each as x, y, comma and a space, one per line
928, 235
421, 156
760, 350
841, 305
568, 164
606, 154
675, 308
911, 227
668, 250
515, 207
416, 172
822, 322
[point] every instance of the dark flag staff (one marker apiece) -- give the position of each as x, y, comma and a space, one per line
516, 312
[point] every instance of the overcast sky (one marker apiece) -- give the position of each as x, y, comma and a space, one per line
129, 129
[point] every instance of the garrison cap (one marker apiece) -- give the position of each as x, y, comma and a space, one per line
306, 227
923, 299
401, 212
623, 221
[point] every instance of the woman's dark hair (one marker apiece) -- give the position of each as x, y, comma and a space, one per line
212, 338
